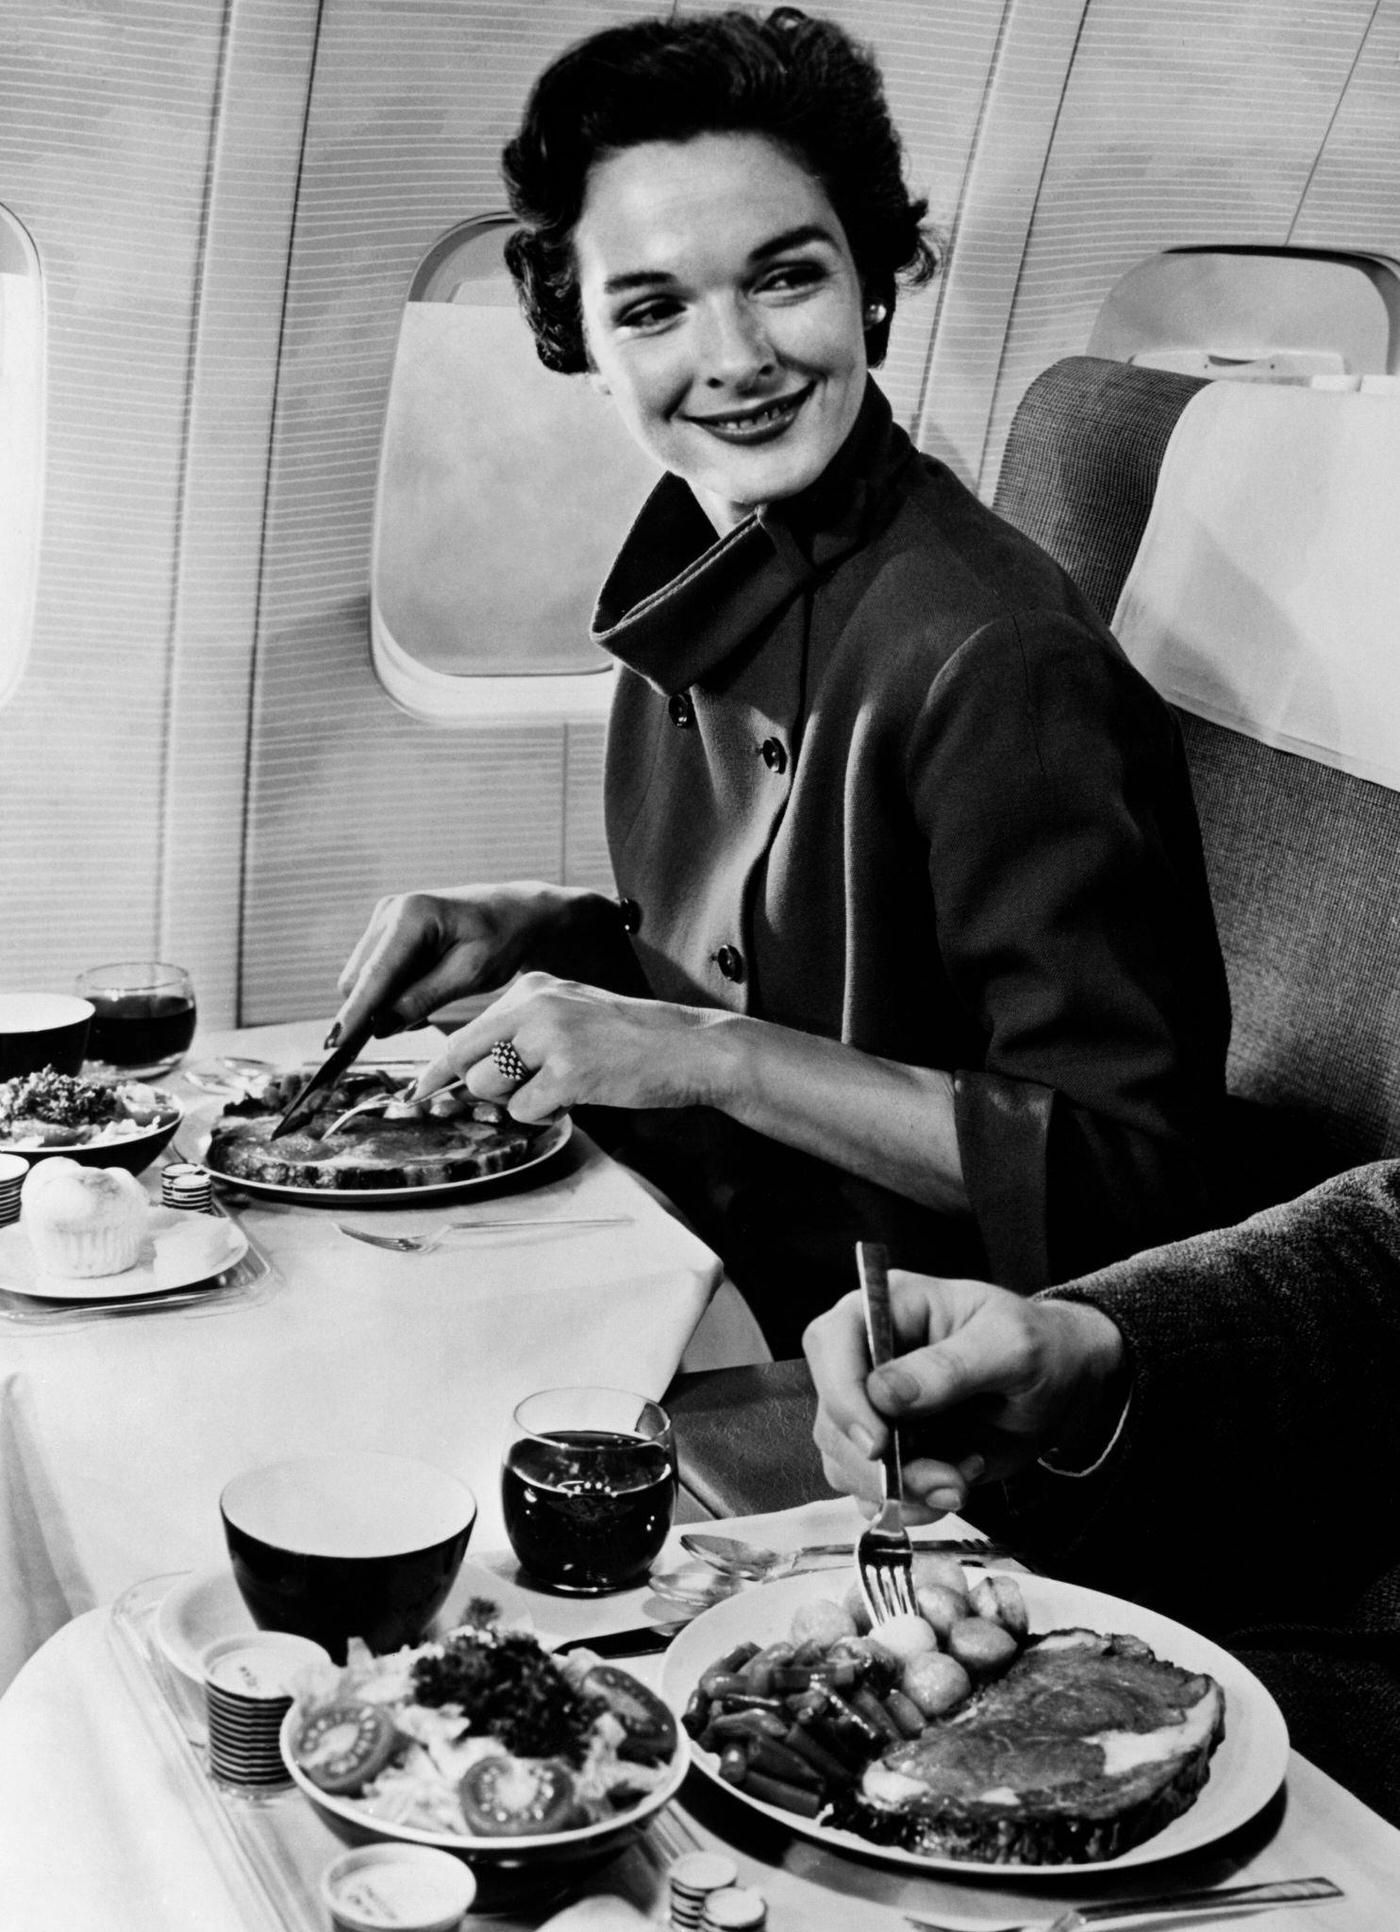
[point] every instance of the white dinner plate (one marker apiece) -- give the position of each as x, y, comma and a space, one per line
1245, 1772
22, 1275
555, 1137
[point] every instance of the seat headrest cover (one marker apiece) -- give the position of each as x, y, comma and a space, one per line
1265, 595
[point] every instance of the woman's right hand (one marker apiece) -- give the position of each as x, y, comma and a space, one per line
422, 949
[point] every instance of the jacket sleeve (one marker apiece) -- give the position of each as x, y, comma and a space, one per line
1255, 1487
1076, 932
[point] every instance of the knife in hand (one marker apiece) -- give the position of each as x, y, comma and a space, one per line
304, 1100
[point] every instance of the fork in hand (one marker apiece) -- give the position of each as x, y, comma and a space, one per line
884, 1554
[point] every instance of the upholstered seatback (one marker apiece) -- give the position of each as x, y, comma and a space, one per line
1303, 857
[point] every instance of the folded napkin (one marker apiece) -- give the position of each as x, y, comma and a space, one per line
1264, 593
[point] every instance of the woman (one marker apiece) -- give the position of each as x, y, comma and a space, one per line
914, 940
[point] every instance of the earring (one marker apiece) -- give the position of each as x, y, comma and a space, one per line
875, 313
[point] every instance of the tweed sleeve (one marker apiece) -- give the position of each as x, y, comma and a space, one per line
1076, 932
1257, 1477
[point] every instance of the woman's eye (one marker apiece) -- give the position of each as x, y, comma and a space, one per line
651, 314
789, 276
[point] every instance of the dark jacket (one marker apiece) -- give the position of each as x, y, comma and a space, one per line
877, 772
1255, 1491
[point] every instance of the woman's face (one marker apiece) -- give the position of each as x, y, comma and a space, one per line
722, 312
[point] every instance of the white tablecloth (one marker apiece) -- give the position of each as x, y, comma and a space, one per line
118, 1437
100, 1834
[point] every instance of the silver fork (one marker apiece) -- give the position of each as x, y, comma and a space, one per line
884, 1554
1169, 1905
425, 1243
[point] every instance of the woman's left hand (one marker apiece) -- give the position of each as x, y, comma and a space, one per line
579, 1045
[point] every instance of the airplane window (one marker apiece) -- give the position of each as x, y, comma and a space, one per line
22, 444
504, 492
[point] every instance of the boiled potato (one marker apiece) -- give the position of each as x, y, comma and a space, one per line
940, 1607
902, 1637
999, 1599
982, 1646
945, 1571
822, 1622
935, 1683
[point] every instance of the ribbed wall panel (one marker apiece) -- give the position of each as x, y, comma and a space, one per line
1190, 121
1353, 199
105, 121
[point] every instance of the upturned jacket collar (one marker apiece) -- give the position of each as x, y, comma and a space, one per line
677, 602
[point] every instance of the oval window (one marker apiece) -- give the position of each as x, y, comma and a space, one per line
504, 492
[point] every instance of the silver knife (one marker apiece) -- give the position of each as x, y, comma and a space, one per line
726, 1551
646, 1638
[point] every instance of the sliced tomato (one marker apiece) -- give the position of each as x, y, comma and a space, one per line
343, 1746
505, 1797
650, 1728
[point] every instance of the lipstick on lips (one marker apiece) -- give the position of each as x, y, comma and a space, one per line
757, 423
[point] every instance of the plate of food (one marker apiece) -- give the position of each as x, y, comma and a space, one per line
392, 1153
1024, 1727
484, 1744
96, 1123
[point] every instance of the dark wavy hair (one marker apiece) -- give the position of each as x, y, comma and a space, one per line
802, 83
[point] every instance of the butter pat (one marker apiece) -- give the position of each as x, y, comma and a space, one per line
200, 1246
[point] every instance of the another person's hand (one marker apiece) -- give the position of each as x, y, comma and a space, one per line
422, 949
983, 1383
579, 1045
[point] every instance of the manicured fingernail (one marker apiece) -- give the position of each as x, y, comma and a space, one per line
332, 1038
973, 1468
862, 1440
944, 1499
897, 1386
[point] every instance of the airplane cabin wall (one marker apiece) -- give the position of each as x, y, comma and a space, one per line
229, 198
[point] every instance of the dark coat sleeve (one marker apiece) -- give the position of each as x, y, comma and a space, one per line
1076, 931
1255, 1490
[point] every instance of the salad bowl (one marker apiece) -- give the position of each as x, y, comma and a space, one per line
517, 1866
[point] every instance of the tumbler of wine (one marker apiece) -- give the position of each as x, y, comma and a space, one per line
588, 1488
143, 1016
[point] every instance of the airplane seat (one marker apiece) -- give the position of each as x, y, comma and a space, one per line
1234, 534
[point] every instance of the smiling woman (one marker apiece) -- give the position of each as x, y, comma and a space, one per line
915, 942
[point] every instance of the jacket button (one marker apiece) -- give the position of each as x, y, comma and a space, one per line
774, 754
631, 915
730, 962
682, 711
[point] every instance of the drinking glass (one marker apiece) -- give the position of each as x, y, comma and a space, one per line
588, 1488
143, 1016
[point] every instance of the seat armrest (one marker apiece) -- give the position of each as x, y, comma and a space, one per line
744, 1438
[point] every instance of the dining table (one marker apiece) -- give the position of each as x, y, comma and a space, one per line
111, 1823
117, 1435
121, 1423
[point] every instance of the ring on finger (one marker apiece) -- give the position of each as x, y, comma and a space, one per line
507, 1061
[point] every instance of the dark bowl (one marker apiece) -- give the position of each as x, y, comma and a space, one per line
42, 1030
341, 1546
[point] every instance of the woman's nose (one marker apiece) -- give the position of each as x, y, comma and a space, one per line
737, 348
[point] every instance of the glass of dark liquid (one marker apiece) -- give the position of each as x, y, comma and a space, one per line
143, 1016
588, 1488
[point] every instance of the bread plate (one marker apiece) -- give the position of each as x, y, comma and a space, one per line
1246, 1770
21, 1274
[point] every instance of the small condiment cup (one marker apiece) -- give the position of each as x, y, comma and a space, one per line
398, 1888
248, 1690
13, 1169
